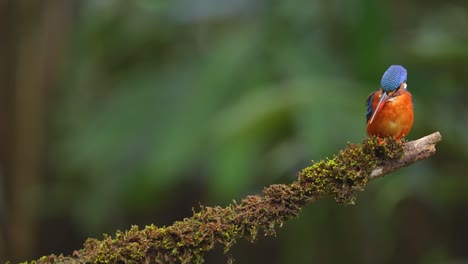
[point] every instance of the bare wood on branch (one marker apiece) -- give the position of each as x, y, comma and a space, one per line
415, 150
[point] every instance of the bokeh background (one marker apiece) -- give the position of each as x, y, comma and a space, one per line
115, 113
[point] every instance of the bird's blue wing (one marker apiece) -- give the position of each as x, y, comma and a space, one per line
370, 100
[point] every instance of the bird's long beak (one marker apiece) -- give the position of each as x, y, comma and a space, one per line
383, 98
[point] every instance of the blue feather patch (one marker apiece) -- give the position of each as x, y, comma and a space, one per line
393, 78
370, 100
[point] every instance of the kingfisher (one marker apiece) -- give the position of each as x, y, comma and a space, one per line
390, 109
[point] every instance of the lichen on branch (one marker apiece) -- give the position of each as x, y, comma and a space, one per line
186, 241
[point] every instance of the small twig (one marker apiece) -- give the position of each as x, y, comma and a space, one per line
186, 241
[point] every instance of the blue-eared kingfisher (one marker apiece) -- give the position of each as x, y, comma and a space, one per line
390, 109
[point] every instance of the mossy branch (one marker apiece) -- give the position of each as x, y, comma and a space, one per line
186, 241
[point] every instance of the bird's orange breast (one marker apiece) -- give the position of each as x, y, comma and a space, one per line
395, 118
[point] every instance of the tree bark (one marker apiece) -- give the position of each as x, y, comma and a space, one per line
32, 40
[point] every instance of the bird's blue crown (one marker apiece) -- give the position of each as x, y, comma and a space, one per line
393, 78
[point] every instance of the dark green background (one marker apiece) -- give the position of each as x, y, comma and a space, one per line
133, 112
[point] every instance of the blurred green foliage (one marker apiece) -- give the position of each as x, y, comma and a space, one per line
166, 104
